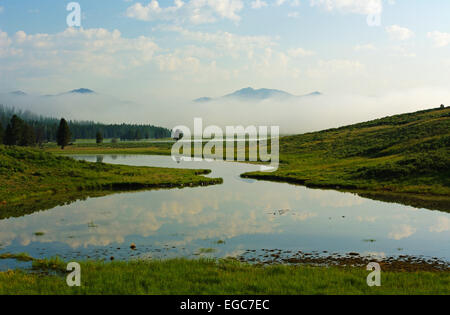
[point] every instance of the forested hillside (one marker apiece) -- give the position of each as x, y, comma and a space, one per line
45, 128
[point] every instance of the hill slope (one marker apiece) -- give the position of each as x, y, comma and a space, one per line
406, 154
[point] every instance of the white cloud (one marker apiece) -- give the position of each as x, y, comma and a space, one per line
226, 43
443, 225
153, 11
366, 219
440, 39
292, 3
300, 52
364, 47
402, 51
401, 232
94, 50
351, 6
303, 216
99, 53
336, 68
6, 49
194, 11
399, 33
1, 9
258, 4
5, 41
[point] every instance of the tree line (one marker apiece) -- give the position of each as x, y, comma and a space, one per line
45, 129
20, 133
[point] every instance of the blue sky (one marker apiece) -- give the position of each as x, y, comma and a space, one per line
171, 51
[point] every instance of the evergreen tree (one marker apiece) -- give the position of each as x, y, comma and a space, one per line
2, 133
99, 137
27, 136
14, 131
80, 129
137, 135
40, 135
63, 135
9, 138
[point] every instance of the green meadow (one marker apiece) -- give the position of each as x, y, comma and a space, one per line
201, 277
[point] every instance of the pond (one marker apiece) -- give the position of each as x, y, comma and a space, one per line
223, 221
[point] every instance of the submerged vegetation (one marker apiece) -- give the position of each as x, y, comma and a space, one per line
32, 180
180, 276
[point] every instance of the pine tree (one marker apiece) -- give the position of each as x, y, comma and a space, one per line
9, 138
14, 131
99, 137
63, 135
40, 135
2, 133
27, 136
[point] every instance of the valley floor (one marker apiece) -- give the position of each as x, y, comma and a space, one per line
400, 159
404, 158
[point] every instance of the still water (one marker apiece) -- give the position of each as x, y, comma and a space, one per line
223, 220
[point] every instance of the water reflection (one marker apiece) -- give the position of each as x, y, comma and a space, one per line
229, 218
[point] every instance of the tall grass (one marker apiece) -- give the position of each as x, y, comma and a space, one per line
216, 277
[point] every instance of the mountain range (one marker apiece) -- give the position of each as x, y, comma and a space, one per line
251, 94
76, 91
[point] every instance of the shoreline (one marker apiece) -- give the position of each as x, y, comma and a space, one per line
437, 202
38, 180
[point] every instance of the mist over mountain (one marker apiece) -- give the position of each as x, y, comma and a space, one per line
293, 114
77, 104
251, 94
203, 99
80, 91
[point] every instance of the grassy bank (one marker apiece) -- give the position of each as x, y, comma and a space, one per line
32, 179
402, 158
215, 277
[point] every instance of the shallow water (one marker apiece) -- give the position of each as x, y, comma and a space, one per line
224, 220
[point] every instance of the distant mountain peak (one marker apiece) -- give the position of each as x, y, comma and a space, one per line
252, 94
203, 99
82, 91
18, 93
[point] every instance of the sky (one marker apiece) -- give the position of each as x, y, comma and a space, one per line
148, 59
